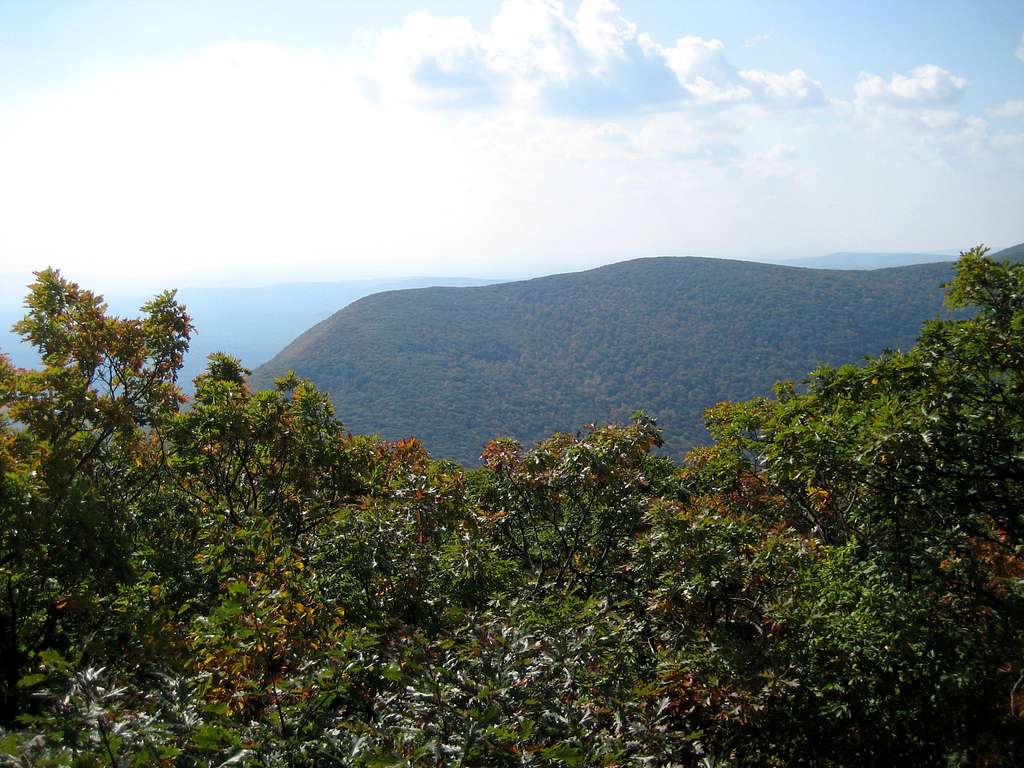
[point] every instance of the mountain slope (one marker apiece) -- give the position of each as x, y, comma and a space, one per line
1013, 253
459, 366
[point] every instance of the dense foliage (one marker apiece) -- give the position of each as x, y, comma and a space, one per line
670, 336
836, 580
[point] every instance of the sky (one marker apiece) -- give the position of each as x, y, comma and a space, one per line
155, 144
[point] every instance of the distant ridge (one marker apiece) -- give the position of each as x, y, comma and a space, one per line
857, 260
459, 366
848, 260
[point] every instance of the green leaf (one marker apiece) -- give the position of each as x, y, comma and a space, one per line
29, 681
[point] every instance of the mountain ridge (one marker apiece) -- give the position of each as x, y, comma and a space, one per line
669, 335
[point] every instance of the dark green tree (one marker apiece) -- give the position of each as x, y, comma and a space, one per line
78, 454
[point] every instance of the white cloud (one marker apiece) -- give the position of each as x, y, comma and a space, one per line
956, 142
441, 62
1008, 109
791, 90
596, 62
602, 32
531, 55
916, 110
705, 73
927, 84
754, 40
702, 69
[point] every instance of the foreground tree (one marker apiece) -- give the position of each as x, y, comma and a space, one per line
77, 464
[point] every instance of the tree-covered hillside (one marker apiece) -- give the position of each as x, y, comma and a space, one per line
837, 579
454, 367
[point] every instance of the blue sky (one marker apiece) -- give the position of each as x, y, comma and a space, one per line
314, 140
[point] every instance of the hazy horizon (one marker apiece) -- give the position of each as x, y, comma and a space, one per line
14, 284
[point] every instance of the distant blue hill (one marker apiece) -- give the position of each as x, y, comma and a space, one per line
851, 260
848, 260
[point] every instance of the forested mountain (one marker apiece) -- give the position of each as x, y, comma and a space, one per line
672, 336
254, 322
